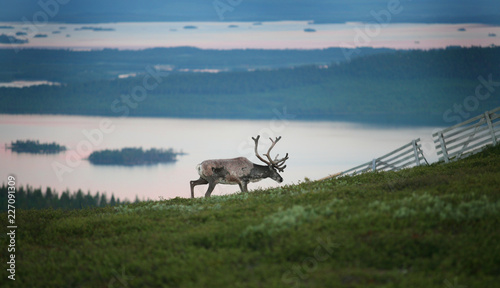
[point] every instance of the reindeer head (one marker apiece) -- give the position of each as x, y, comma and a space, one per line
274, 175
274, 165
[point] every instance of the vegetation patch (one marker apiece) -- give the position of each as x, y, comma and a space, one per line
282, 220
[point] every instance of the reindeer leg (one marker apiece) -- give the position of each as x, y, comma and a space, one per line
243, 186
211, 187
193, 183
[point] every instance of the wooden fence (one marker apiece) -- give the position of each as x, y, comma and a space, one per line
469, 137
453, 143
405, 156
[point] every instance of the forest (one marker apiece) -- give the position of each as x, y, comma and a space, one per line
35, 147
396, 88
133, 156
68, 66
34, 198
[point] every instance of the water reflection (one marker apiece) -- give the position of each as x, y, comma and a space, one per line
267, 35
316, 149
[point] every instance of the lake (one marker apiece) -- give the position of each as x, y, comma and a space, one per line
249, 35
316, 150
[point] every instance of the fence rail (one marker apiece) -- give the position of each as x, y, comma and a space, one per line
452, 143
408, 155
469, 137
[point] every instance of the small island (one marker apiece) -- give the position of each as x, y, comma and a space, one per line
133, 156
35, 147
95, 29
7, 39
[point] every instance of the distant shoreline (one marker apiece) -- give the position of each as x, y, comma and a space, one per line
369, 121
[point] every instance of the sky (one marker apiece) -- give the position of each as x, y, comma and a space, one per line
336, 11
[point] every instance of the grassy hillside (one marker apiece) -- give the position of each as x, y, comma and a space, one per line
426, 227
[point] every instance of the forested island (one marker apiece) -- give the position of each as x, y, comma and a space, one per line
133, 156
35, 147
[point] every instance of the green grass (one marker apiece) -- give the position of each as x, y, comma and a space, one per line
435, 226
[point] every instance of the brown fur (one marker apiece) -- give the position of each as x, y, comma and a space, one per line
234, 169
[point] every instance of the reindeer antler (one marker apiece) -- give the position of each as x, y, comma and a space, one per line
276, 163
256, 140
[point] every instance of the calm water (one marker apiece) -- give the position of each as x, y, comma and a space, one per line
316, 150
243, 35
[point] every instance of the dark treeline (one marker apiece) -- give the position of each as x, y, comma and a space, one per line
452, 62
35, 147
33, 198
133, 156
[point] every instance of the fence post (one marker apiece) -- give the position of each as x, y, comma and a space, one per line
490, 126
415, 152
374, 165
443, 147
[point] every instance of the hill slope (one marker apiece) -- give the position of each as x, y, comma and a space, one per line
426, 227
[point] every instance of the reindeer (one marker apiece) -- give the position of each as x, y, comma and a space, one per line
239, 170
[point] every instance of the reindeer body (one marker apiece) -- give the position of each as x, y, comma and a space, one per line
230, 171
239, 171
